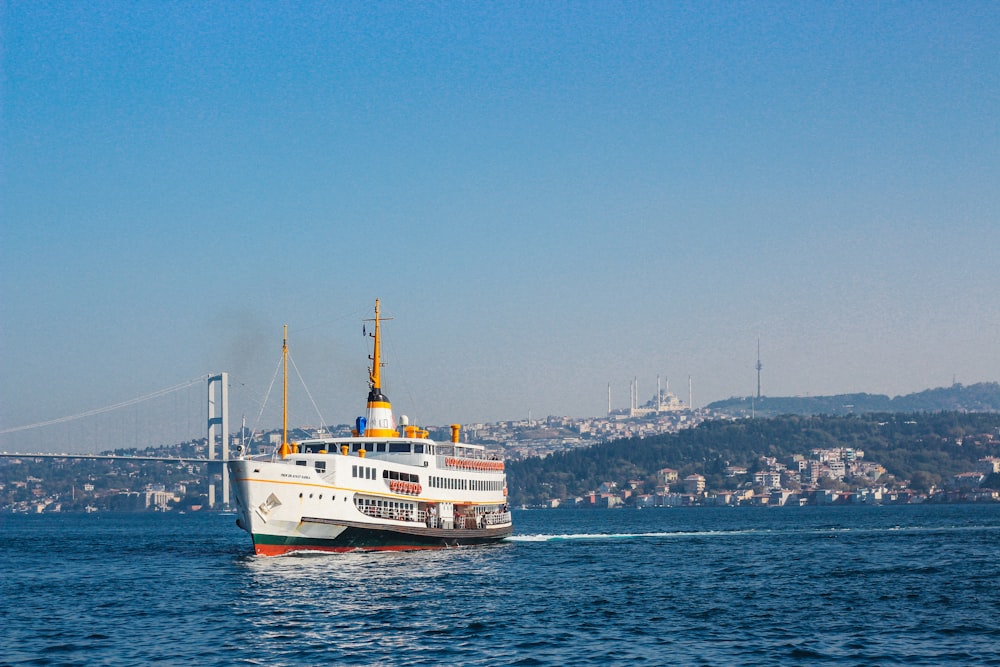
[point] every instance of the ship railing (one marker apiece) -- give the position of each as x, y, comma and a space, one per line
496, 518
434, 521
394, 514
483, 520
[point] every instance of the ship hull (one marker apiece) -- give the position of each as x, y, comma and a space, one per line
364, 537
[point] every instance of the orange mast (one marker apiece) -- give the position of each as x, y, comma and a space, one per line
379, 420
285, 448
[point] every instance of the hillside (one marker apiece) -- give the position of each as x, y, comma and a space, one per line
980, 397
922, 447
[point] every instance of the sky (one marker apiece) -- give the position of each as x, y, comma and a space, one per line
548, 198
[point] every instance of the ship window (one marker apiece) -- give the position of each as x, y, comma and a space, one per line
301, 463
399, 447
380, 447
369, 446
356, 446
320, 466
418, 449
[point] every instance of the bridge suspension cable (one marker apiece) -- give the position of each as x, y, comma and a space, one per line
109, 408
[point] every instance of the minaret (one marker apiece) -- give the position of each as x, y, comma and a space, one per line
378, 418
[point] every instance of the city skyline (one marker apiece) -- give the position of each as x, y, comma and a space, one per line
546, 198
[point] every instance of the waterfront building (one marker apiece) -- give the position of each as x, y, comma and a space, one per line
694, 484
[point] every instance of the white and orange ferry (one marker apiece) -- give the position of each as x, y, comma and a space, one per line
386, 487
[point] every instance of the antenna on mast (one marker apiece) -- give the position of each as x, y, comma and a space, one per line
379, 422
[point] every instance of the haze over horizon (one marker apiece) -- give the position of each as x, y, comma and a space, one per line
547, 198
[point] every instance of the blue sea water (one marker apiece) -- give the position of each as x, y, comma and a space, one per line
913, 585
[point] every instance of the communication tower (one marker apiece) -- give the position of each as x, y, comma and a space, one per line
758, 367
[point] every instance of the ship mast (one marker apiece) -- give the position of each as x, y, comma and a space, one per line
285, 449
375, 372
379, 422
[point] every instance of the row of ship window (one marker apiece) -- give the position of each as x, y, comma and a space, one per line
367, 472
380, 447
466, 484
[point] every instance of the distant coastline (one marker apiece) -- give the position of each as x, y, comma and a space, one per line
618, 459
979, 397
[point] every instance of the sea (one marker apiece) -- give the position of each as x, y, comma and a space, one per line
859, 585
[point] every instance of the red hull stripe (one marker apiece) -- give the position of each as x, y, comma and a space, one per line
281, 549
365, 539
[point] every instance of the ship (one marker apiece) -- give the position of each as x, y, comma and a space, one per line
386, 487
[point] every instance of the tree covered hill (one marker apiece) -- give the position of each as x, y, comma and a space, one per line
980, 397
922, 447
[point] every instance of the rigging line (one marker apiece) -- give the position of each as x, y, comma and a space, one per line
322, 422
346, 316
109, 408
253, 430
402, 382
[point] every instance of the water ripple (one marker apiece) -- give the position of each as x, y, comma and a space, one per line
909, 586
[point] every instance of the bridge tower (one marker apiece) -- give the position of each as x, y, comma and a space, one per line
218, 419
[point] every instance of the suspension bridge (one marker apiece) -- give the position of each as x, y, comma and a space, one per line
216, 424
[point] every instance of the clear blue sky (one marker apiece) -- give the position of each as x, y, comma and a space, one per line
548, 197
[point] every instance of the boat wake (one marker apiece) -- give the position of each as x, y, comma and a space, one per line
826, 531
626, 536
